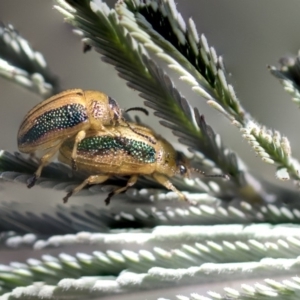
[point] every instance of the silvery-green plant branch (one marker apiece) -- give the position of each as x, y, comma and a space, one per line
76, 252
160, 28
289, 76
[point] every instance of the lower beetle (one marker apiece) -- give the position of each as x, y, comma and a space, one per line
126, 153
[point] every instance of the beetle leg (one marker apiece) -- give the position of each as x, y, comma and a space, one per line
43, 162
94, 179
131, 181
79, 137
163, 180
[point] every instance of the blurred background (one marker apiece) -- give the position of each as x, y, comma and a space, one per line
248, 34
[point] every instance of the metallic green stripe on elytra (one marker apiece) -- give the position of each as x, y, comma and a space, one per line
106, 144
57, 119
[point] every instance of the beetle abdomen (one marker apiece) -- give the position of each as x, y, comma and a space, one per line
58, 119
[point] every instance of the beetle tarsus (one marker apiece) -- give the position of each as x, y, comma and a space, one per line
107, 200
74, 165
66, 198
31, 181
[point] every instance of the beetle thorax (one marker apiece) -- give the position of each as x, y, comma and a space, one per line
99, 112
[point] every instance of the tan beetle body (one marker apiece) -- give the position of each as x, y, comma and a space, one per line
125, 153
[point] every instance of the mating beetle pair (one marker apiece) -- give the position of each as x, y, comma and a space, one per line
90, 133
68, 114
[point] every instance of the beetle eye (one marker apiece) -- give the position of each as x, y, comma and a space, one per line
182, 169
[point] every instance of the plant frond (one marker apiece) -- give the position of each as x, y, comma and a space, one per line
273, 149
21, 64
12, 240
162, 278
287, 289
289, 76
159, 247
251, 242
166, 33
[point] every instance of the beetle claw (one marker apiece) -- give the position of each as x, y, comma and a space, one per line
31, 181
107, 200
74, 165
66, 198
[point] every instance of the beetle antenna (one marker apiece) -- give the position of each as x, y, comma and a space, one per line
141, 134
145, 111
142, 109
225, 176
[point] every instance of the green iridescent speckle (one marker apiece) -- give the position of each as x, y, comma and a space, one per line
102, 144
57, 119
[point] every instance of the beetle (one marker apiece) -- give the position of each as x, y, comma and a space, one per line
126, 154
68, 114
